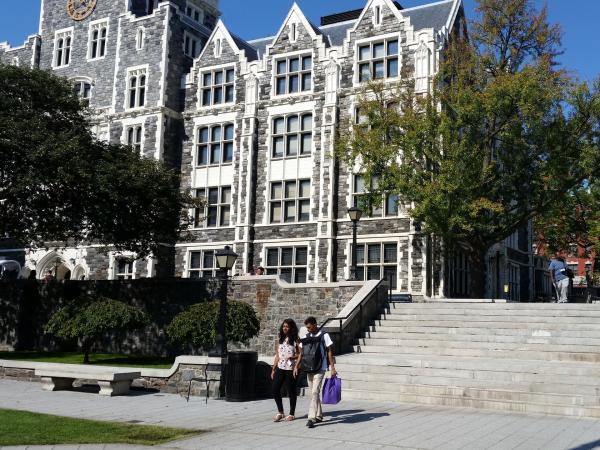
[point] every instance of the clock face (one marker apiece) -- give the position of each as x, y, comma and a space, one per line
80, 9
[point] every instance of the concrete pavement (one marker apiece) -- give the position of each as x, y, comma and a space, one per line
350, 424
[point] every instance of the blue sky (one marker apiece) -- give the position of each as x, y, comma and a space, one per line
258, 18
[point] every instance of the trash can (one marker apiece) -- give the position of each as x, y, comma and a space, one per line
239, 385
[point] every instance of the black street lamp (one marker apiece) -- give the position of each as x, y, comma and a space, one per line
355, 214
225, 261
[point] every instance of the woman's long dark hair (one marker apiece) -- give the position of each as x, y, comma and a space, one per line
292, 334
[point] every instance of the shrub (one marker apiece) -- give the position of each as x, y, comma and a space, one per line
90, 319
198, 324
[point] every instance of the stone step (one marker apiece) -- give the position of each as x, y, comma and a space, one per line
467, 332
469, 402
514, 354
540, 385
488, 325
490, 319
498, 306
561, 310
542, 346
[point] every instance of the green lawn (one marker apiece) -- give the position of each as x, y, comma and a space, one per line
25, 428
101, 359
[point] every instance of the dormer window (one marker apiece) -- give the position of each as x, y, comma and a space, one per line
218, 86
378, 60
293, 75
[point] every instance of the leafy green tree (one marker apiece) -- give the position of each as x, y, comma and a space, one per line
58, 184
198, 324
91, 319
501, 138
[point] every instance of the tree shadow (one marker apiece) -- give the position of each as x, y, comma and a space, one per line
588, 446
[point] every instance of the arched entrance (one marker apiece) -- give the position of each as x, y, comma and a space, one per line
55, 265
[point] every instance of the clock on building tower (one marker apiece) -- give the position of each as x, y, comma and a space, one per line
80, 9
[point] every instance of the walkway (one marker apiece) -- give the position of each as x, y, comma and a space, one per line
351, 424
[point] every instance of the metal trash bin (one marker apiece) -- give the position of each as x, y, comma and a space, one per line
240, 379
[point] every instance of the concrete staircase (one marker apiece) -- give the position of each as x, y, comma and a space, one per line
535, 358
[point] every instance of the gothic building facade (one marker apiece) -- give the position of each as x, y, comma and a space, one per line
252, 124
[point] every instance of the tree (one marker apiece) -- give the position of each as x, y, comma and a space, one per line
90, 319
502, 136
198, 324
59, 184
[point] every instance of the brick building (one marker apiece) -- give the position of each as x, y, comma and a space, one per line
252, 125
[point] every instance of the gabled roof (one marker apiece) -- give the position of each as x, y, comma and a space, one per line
433, 15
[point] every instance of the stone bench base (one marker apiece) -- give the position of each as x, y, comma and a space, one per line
107, 388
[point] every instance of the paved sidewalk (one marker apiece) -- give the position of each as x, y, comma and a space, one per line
351, 424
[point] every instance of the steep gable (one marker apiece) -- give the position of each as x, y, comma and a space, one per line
296, 32
377, 14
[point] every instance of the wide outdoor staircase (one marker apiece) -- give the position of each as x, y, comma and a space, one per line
535, 358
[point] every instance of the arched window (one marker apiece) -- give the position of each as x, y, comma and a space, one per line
83, 89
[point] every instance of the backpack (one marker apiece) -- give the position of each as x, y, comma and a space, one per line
312, 354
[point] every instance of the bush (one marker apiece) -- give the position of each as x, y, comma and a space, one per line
92, 318
198, 324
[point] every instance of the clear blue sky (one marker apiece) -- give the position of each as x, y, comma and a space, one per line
258, 18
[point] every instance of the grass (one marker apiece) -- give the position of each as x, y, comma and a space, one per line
100, 359
26, 428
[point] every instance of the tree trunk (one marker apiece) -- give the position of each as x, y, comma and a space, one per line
86, 351
477, 268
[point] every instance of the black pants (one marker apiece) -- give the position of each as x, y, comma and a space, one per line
287, 377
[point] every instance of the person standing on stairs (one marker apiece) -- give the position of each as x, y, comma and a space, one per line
559, 274
287, 352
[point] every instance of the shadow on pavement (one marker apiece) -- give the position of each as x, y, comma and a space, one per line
588, 446
351, 416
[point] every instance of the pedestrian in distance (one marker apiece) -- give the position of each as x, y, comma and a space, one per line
287, 352
559, 275
316, 355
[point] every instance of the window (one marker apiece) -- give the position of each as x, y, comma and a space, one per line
292, 135
191, 45
134, 137
217, 86
293, 74
215, 145
377, 262
378, 60
137, 88
15, 61
388, 207
290, 201
193, 13
83, 90
290, 263
377, 15
209, 20
202, 264
139, 40
98, 35
123, 269
62, 48
217, 212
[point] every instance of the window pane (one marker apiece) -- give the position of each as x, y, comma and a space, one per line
215, 153
359, 183
294, 64
364, 52
360, 254
272, 257
378, 69
208, 260
206, 79
290, 212
286, 274
281, 66
211, 219
228, 152
279, 125
391, 208
202, 155
216, 134
226, 195
225, 216
306, 143
306, 82
287, 256
293, 83
218, 95
292, 124
278, 146
392, 67
304, 210
307, 63
275, 191
373, 273
390, 273
379, 50
364, 72
206, 96
213, 196
219, 77
195, 260
392, 48
304, 188
228, 132
307, 122
229, 76
290, 189
374, 253
281, 83
301, 256
390, 253
229, 94
292, 144
300, 276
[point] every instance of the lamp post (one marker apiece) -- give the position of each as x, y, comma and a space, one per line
225, 260
354, 214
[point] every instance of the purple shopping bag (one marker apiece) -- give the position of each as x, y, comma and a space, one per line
332, 390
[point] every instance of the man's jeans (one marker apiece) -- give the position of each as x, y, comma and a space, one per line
562, 287
315, 381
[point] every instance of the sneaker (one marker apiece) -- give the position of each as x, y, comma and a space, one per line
310, 424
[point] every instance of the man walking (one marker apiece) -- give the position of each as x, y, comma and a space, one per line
560, 279
315, 379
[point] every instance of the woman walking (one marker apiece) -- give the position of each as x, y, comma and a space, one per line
286, 355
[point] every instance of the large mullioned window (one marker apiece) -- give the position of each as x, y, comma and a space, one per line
218, 86
137, 81
202, 264
292, 135
215, 145
62, 48
377, 261
290, 263
98, 38
293, 75
290, 201
217, 212
378, 60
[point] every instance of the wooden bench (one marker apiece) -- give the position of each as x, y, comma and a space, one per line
112, 380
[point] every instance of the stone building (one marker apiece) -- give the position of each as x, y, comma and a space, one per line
252, 125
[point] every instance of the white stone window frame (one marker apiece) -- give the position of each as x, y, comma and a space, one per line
82, 81
385, 38
287, 56
194, 50
191, 10
221, 205
375, 240
64, 33
211, 247
296, 200
98, 25
134, 122
282, 245
213, 69
198, 127
134, 137
383, 214
137, 71
300, 133
113, 265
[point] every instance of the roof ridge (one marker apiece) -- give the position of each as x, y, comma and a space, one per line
426, 5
